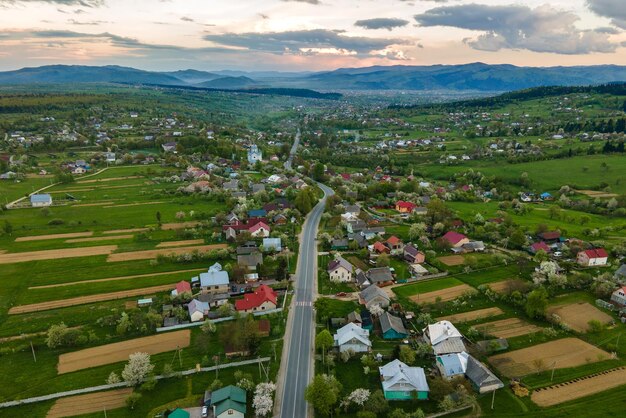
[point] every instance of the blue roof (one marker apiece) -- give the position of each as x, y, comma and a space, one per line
40, 198
257, 213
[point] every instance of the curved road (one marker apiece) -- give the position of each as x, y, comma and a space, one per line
294, 150
298, 359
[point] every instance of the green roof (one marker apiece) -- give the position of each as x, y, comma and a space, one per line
230, 397
178, 413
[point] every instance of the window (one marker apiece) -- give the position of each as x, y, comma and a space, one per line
230, 412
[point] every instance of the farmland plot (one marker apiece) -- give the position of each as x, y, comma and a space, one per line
91, 402
150, 254
9, 258
472, 315
508, 328
444, 295
577, 315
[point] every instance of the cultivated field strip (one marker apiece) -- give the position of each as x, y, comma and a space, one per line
180, 225
108, 179
117, 352
445, 294
452, 260
96, 239
150, 254
54, 236
169, 244
82, 300
506, 286
9, 258
508, 328
578, 388
123, 231
472, 315
577, 315
91, 402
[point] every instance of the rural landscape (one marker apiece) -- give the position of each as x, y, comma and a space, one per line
324, 233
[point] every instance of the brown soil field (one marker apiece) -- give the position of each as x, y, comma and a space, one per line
508, 328
577, 315
82, 300
560, 354
472, 315
54, 254
578, 388
107, 179
54, 236
149, 254
86, 205
596, 193
90, 402
507, 286
132, 204
169, 244
95, 239
452, 260
123, 231
70, 191
113, 279
116, 352
445, 294
179, 225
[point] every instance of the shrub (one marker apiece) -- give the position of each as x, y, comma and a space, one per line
56, 221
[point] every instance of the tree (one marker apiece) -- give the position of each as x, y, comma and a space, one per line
376, 310
158, 217
407, 355
262, 401
208, 327
305, 199
398, 413
7, 227
137, 369
323, 393
318, 172
517, 239
536, 303
113, 379
382, 260
377, 403
132, 400
417, 230
323, 341
60, 335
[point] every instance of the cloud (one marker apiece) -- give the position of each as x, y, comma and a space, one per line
84, 3
187, 19
294, 42
304, 1
543, 29
381, 23
613, 9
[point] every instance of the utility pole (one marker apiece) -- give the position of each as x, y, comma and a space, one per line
33, 350
553, 367
105, 411
493, 398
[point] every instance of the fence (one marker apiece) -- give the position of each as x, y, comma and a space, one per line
218, 320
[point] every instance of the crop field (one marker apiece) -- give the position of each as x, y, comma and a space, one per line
179, 243
472, 315
97, 239
508, 328
508, 286
560, 354
9, 258
150, 254
116, 352
452, 260
577, 315
443, 295
54, 236
579, 388
427, 286
91, 402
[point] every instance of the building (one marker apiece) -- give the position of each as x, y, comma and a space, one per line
340, 270
444, 338
455, 239
392, 327
353, 337
251, 260
463, 364
181, 287
272, 244
593, 257
539, 246
412, 255
40, 200
374, 295
229, 402
197, 310
401, 382
394, 244
380, 248
169, 147
254, 154
452, 365
215, 280
260, 230
405, 207
619, 296
380, 276
178, 413
264, 298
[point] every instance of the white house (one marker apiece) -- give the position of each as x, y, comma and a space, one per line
444, 338
79, 170
197, 310
593, 257
401, 382
340, 270
215, 280
40, 200
619, 296
254, 154
353, 337
272, 244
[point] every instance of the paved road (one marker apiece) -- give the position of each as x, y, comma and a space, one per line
301, 327
294, 150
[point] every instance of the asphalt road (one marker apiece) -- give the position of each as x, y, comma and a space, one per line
300, 338
294, 149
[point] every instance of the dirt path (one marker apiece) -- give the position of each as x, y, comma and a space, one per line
92, 402
113, 279
180, 225
9, 258
169, 244
150, 254
82, 300
579, 388
86, 205
54, 236
116, 352
472, 315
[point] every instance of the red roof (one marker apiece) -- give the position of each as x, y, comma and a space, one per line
380, 247
551, 235
596, 253
258, 226
182, 287
253, 300
393, 240
454, 237
540, 246
345, 176
405, 205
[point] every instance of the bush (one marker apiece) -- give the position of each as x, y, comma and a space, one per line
132, 400
56, 221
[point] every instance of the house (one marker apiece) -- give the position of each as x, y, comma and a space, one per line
374, 295
339, 244
546, 196
550, 236
361, 279
251, 260
264, 298
455, 239
593, 257
474, 246
381, 248
214, 300
272, 244
258, 188
380, 276
231, 185
215, 280
401, 382
619, 296
197, 310
394, 244
372, 232
178, 413
539, 246
109, 157
392, 327
40, 200
260, 230
279, 219
340, 270
257, 213
620, 273
412, 255
169, 147
353, 337
463, 364
229, 402
405, 207
181, 287
254, 154
452, 365
354, 318
444, 338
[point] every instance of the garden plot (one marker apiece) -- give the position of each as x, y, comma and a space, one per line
96, 239
579, 388
122, 231
577, 315
124, 205
472, 315
82, 300
54, 236
452, 260
180, 225
169, 244
108, 179
117, 352
508, 328
508, 286
150, 254
444, 294
559, 354
91, 402
56, 254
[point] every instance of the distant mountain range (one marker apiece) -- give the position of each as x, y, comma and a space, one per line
467, 77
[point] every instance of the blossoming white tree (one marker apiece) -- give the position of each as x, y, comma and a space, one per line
137, 369
262, 401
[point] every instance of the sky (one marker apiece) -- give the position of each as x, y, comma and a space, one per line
310, 35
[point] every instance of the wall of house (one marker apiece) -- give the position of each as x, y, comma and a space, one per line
357, 348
